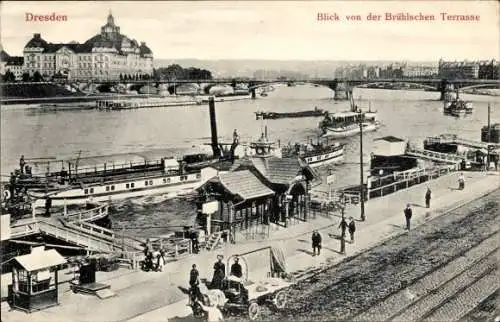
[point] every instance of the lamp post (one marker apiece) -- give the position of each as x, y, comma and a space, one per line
362, 198
489, 139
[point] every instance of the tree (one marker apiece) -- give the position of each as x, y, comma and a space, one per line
37, 77
9, 76
26, 77
121, 76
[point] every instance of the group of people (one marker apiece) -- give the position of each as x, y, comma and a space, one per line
343, 226
154, 259
219, 276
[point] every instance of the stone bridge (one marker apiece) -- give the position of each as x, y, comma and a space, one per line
342, 87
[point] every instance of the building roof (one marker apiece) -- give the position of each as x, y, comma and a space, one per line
112, 40
282, 170
390, 138
244, 184
15, 61
40, 259
4, 56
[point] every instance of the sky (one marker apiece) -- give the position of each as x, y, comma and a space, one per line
271, 30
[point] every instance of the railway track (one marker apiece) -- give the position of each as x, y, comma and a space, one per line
439, 271
427, 296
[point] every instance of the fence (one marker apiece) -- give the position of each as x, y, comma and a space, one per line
405, 179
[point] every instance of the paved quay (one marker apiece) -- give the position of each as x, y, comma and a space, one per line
155, 296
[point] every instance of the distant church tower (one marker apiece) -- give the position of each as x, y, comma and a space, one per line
110, 29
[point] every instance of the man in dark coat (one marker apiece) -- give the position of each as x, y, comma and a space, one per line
428, 198
22, 163
408, 213
219, 273
194, 282
352, 228
316, 242
236, 269
343, 227
48, 205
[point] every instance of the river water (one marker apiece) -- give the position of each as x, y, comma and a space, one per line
407, 114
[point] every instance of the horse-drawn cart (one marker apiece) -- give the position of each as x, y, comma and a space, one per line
251, 296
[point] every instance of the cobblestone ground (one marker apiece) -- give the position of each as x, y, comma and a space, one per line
346, 290
488, 310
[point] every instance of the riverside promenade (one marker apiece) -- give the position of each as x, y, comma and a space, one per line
155, 296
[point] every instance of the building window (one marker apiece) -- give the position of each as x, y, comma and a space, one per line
86, 191
107, 188
127, 186
145, 183
132, 185
112, 188
91, 190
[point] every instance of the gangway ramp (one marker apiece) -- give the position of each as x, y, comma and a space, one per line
434, 156
76, 229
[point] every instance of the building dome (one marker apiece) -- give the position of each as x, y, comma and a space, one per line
145, 50
36, 41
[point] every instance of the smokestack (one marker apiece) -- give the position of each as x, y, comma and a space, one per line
265, 131
213, 127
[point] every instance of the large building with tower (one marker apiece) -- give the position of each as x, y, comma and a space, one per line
108, 55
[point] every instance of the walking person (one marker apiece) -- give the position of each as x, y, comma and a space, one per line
316, 242
408, 213
461, 181
22, 163
48, 205
343, 226
352, 228
194, 282
428, 198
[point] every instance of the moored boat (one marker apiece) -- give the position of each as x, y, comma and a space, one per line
458, 107
317, 154
112, 177
347, 123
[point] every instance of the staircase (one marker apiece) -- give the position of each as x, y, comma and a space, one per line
214, 241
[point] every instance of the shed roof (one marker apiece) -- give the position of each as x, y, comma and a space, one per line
244, 184
39, 260
281, 170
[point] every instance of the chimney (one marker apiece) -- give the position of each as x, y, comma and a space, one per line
213, 127
37, 36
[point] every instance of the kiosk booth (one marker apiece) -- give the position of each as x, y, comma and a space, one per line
34, 280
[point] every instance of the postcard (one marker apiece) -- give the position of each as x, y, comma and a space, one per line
249, 160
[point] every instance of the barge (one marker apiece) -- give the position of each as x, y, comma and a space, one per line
275, 115
116, 104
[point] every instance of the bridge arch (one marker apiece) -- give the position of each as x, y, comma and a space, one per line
409, 83
494, 86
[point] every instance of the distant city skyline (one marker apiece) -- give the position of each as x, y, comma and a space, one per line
268, 30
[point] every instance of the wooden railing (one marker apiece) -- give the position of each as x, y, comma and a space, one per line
23, 229
92, 229
443, 157
406, 179
77, 237
88, 215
